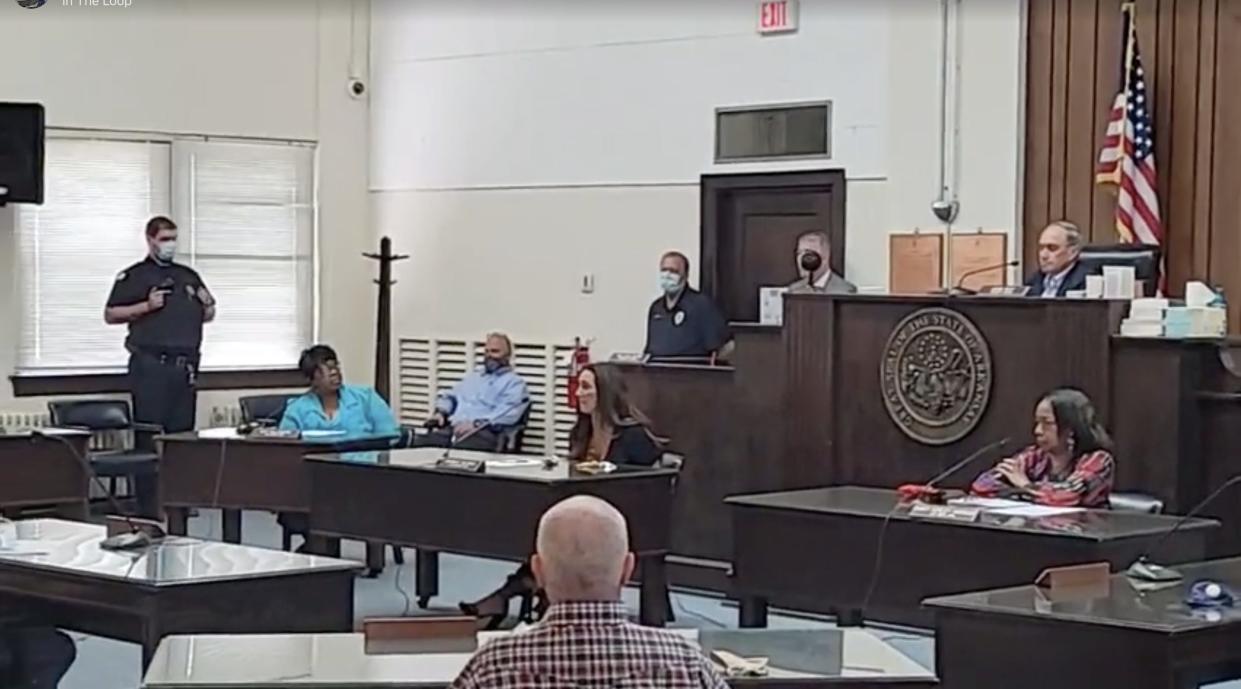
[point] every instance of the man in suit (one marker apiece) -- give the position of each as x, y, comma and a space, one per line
1059, 270
814, 254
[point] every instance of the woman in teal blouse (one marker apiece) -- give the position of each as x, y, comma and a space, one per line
330, 405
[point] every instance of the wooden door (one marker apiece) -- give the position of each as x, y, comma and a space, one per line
750, 225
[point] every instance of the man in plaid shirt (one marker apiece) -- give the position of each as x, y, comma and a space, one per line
582, 561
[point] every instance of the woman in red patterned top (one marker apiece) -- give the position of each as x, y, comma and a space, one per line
1070, 463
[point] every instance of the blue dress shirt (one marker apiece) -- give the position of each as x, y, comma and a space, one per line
494, 399
360, 412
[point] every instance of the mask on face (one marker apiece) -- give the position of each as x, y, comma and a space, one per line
492, 364
669, 281
166, 249
811, 261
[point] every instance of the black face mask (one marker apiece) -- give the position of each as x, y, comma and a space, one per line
811, 261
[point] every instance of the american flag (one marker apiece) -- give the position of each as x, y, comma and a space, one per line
1128, 156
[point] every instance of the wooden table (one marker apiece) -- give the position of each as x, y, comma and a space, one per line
841, 659
816, 550
1028, 638
37, 471
221, 469
55, 571
402, 497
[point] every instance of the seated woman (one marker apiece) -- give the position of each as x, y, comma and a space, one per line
330, 405
608, 429
1070, 463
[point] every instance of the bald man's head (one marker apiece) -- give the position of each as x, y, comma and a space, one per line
582, 553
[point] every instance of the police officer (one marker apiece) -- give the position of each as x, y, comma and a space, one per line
165, 305
683, 322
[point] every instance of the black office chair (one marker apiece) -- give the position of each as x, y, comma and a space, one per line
1144, 258
1135, 502
511, 438
264, 409
137, 462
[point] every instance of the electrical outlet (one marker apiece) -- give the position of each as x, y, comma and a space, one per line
588, 283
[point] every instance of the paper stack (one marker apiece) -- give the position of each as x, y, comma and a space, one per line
1146, 318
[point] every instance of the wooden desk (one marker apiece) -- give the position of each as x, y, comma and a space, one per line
803, 406
235, 473
1026, 638
727, 421
799, 658
401, 497
40, 472
825, 553
181, 586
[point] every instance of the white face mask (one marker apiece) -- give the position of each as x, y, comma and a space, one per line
670, 281
166, 249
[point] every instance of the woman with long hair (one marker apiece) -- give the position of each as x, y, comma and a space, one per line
608, 429
1069, 464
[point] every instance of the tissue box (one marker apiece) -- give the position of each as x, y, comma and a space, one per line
1142, 327
1195, 321
1148, 308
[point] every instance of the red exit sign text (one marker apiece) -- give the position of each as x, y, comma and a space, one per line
777, 16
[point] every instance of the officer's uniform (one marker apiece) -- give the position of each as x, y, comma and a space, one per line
693, 327
163, 345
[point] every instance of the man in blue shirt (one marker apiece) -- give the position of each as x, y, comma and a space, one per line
353, 411
475, 411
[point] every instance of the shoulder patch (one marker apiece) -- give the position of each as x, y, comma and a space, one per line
120, 277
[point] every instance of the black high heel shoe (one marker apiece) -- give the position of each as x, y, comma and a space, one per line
491, 622
494, 607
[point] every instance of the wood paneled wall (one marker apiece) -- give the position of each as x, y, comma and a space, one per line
1191, 50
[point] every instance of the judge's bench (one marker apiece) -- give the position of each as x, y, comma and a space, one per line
879, 391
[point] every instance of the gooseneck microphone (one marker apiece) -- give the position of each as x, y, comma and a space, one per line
1143, 569
137, 536
959, 288
929, 490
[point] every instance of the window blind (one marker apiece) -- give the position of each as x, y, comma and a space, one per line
246, 214
247, 217
99, 196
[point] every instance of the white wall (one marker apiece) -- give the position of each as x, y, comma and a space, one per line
518, 145
226, 67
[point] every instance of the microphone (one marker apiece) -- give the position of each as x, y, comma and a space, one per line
927, 492
137, 536
960, 289
913, 491
453, 439
1143, 569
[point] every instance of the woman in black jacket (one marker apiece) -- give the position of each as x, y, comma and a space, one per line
608, 429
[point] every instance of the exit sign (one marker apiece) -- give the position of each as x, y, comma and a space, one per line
777, 16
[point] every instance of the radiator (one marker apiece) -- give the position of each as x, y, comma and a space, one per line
223, 417
23, 421
17, 422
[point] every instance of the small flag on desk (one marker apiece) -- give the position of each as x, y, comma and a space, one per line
1127, 160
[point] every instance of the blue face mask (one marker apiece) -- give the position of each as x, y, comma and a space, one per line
670, 282
491, 365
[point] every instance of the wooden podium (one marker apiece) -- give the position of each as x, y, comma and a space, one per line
803, 405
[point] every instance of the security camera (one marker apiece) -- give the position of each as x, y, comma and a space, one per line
357, 88
945, 210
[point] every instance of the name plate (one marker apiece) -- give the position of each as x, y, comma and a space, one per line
469, 466
948, 513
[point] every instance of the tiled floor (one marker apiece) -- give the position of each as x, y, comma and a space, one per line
106, 664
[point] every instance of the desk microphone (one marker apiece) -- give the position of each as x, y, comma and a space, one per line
137, 537
959, 288
1143, 569
453, 439
928, 492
